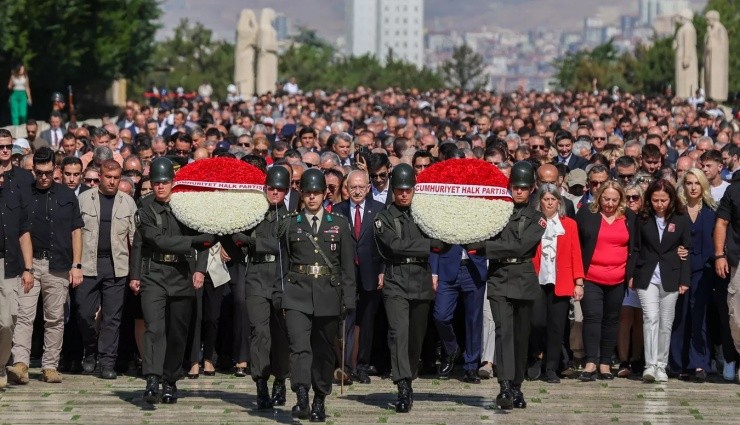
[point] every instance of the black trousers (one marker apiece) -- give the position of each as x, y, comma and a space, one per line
240, 321
167, 321
513, 322
312, 355
601, 305
368, 307
268, 339
107, 292
204, 323
407, 326
549, 319
719, 321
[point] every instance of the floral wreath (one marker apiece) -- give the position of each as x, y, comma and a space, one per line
219, 195
462, 201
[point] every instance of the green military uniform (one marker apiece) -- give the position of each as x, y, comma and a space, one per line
512, 288
407, 286
315, 295
167, 291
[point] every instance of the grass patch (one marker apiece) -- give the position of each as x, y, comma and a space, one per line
616, 405
227, 411
82, 392
70, 402
197, 407
484, 417
694, 412
647, 423
68, 409
436, 382
536, 400
659, 390
75, 417
45, 394
543, 390
684, 403
615, 419
577, 412
383, 420
640, 396
604, 385
230, 387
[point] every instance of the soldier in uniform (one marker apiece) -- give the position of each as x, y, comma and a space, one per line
167, 284
407, 284
513, 284
268, 339
319, 289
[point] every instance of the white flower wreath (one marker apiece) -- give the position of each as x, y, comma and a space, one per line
221, 212
460, 219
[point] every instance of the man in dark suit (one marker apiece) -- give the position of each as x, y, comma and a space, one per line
379, 167
361, 212
456, 273
564, 146
53, 135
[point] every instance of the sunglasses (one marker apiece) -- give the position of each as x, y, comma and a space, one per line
6, 147
295, 182
260, 151
594, 183
331, 187
182, 152
626, 176
537, 147
43, 173
92, 180
244, 145
633, 198
599, 138
132, 173
309, 165
379, 175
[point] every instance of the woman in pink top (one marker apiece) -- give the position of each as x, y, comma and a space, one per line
607, 231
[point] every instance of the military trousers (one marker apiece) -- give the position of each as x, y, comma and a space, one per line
312, 356
268, 339
407, 326
513, 324
167, 320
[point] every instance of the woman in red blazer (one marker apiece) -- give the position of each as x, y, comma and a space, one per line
559, 265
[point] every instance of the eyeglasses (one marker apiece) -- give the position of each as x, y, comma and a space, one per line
6, 147
43, 173
309, 165
295, 182
132, 173
379, 176
92, 180
626, 176
594, 183
182, 151
331, 187
244, 145
537, 147
633, 198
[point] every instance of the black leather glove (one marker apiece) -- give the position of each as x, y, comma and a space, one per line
475, 248
242, 240
205, 239
437, 245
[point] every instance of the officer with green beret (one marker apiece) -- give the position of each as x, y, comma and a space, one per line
170, 273
318, 290
513, 284
407, 284
264, 286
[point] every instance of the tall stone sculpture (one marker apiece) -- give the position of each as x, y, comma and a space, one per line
247, 33
716, 58
687, 63
267, 60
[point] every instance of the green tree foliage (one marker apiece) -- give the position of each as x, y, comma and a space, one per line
85, 43
188, 58
576, 71
465, 69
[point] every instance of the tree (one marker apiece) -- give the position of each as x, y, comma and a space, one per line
465, 69
83, 43
190, 57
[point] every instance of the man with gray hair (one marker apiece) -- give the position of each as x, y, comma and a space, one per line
342, 145
100, 155
329, 160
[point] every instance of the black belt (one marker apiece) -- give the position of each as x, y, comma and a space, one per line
410, 260
169, 258
511, 260
259, 259
314, 270
41, 255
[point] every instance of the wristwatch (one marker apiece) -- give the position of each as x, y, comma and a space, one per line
78, 266
30, 270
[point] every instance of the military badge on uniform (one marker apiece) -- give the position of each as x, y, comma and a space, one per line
379, 225
137, 219
333, 247
542, 223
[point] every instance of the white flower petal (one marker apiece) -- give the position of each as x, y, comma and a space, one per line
219, 213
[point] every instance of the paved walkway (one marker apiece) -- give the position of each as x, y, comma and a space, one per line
226, 399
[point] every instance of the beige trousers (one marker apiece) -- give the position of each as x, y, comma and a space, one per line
53, 287
733, 304
9, 290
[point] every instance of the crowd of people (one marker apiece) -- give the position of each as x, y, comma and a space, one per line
630, 269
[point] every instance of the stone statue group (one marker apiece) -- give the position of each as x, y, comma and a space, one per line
715, 64
256, 59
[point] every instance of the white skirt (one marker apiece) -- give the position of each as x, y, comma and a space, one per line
631, 299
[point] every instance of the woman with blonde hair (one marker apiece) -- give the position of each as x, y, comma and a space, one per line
612, 152
20, 95
608, 233
690, 343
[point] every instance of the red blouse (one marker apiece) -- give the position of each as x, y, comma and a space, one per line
609, 262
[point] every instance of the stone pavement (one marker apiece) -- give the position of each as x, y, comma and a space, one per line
225, 399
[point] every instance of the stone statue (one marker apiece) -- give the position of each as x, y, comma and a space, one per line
716, 58
246, 46
687, 63
267, 60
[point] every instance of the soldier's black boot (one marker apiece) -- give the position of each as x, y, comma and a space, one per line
151, 393
169, 393
519, 401
318, 410
403, 404
505, 398
263, 395
300, 410
278, 392
411, 393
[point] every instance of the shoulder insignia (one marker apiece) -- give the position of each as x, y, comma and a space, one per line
298, 218
542, 222
378, 224
137, 219
328, 218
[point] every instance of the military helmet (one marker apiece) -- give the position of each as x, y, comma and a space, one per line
313, 180
161, 170
522, 174
278, 177
403, 177
57, 97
